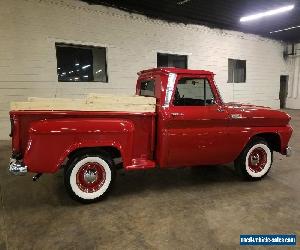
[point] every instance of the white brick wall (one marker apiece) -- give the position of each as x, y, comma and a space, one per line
29, 30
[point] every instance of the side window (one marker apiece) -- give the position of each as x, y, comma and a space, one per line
193, 92
148, 88
172, 60
236, 70
80, 63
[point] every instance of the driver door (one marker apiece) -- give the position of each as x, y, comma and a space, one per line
196, 127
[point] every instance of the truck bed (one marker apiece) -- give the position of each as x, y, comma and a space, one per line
143, 132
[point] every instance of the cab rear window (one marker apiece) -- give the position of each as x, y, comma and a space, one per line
148, 88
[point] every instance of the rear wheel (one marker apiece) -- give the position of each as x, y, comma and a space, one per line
255, 161
88, 178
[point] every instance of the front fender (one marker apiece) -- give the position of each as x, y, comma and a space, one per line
240, 137
51, 141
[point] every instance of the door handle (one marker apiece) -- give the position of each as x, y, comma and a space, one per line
177, 114
220, 109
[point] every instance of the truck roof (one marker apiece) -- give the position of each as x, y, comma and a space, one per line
176, 70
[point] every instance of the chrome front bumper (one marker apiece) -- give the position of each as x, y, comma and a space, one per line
17, 167
289, 152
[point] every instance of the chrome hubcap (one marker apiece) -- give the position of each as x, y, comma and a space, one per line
254, 159
90, 176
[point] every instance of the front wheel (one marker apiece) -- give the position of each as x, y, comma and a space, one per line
255, 161
89, 178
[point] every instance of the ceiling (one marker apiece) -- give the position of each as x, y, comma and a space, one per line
219, 14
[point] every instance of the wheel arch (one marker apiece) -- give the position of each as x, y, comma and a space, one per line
111, 151
272, 138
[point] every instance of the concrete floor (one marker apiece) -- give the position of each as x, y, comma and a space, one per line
171, 209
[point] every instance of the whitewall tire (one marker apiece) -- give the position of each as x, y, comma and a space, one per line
88, 178
256, 160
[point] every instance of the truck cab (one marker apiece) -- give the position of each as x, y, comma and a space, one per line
194, 124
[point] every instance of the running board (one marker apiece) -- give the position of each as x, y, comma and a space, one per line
141, 163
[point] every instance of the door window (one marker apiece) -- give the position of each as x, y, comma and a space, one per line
193, 92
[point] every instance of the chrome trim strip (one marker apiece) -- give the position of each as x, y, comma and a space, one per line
236, 116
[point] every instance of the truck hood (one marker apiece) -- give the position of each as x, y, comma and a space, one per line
254, 115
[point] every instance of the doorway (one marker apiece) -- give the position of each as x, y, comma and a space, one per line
283, 93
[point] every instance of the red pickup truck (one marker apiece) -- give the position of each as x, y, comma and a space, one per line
191, 126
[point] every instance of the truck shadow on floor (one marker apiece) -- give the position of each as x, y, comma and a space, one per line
167, 179
135, 183
158, 180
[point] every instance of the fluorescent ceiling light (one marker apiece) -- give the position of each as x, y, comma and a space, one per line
86, 66
289, 28
267, 13
183, 2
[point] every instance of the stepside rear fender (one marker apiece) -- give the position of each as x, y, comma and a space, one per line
51, 141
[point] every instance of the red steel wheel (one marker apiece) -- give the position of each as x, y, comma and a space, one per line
256, 159
90, 177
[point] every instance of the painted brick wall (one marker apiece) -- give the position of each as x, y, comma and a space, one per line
29, 30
